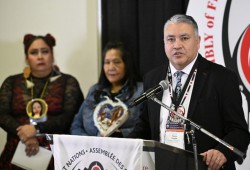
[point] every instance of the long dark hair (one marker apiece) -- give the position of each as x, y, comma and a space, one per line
126, 56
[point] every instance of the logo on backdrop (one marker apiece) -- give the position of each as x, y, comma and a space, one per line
225, 38
239, 59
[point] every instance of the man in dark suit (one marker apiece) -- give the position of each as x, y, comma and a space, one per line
209, 96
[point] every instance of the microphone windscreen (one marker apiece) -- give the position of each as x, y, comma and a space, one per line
164, 84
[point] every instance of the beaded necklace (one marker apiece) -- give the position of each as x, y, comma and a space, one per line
43, 91
44, 107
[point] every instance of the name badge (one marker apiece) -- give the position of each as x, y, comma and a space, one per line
174, 133
174, 138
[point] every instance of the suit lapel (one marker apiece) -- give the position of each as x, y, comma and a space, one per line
202, 72
161, 76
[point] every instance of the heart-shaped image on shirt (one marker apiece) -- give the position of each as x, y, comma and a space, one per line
109, 115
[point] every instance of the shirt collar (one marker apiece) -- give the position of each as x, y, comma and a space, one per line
186, 70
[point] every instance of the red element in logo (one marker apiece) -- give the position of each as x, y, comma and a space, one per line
245, 55
95, 167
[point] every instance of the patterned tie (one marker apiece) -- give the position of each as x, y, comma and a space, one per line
178, 75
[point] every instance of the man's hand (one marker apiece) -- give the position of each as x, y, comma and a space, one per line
214, 159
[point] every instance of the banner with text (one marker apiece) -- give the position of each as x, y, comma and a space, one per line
224, 27
87, 153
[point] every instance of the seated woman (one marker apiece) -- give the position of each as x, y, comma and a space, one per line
58, 93
105, 110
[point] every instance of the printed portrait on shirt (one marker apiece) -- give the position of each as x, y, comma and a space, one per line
37, 110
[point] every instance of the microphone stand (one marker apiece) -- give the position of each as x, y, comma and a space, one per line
233, 149
192, 132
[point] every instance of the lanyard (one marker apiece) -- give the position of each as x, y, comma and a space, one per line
186, 87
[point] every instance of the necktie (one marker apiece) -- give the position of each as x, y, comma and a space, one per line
178, 75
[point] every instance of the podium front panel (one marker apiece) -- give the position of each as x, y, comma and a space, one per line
172, 158
81, 152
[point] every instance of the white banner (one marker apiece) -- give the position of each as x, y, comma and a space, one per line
102, 153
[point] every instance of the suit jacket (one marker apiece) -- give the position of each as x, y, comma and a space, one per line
215, 105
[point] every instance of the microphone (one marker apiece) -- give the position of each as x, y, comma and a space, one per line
149, 93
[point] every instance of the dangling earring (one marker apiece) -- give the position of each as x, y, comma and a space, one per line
26, 74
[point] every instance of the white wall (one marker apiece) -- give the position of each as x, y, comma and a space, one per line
74, 24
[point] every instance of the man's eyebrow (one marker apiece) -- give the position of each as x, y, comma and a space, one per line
181, 35
184, 34
170, 35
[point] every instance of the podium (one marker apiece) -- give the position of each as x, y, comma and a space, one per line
81, 152
171, 158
